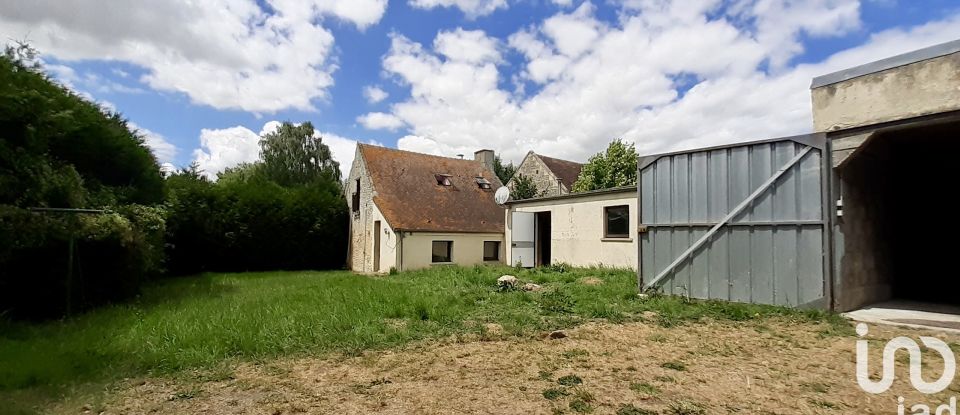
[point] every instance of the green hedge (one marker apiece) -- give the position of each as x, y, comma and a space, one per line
256, 225
41, 278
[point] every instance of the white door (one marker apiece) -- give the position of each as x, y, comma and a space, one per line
522, 239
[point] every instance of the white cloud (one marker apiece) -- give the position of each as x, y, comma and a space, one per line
228, 54
164, 150
380, 121
228, 147
223, 148
472, 8
470, 46
374, 94
665, 75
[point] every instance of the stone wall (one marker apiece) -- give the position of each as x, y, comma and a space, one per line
360, 251
542, 177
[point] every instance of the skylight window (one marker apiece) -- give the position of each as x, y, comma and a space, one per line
443, 179
483, 183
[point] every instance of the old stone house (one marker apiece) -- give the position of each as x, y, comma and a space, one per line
551, 176
411, 210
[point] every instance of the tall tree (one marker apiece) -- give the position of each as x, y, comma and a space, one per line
524, 188
615, 167
503, 171
293, 155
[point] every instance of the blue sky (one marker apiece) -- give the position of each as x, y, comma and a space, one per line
558, 77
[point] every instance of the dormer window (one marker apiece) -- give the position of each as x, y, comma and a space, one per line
443, 179
483, 183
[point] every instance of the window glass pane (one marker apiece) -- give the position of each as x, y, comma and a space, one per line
491, 250
441, 251
618, 222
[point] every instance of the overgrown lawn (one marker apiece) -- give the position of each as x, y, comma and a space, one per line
214, 319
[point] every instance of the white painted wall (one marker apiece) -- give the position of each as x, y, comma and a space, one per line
467, 248
577, 230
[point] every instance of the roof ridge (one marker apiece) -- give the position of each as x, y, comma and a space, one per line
362, 145
558, 159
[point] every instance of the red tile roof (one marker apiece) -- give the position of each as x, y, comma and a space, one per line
410, 199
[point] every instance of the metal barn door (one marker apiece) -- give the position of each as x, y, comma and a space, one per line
522, 239
741, 223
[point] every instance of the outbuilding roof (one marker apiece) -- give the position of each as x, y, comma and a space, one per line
565, 170
412, 194
931, 52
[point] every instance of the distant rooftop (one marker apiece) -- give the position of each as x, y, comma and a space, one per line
931, 52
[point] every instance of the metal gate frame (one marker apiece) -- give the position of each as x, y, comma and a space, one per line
816, 141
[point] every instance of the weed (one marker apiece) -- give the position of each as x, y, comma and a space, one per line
674, 365
665, 379
560, 267
570, 380
629, 409
685, 408
574, 353
545, 375
658, 338
580, 406
824, 404
183, 395
583, 395
644, 388
557, 301
554, 393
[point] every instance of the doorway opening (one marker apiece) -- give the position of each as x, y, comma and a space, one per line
897, 191
543, 238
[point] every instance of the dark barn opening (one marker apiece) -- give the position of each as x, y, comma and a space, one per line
544, 233
898, 193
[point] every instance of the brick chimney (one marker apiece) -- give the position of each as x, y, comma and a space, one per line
485, 157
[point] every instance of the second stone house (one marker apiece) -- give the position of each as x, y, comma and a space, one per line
551, 176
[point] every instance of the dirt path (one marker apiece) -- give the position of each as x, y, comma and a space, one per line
770, 367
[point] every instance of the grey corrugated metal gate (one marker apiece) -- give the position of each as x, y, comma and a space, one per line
741, 223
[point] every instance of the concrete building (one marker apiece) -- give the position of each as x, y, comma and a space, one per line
846, 217
894, 133
410, 210
551, 176
596, 228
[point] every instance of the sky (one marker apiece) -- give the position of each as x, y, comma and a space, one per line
201, 80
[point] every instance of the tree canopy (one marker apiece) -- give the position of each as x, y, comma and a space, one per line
503, 171
294, 155
524, 188
60, 150
615, 167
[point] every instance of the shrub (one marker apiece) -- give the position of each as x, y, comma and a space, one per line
57, 263
557, 301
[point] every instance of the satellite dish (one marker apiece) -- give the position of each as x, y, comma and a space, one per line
502, 195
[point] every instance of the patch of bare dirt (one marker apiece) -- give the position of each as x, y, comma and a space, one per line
770, 367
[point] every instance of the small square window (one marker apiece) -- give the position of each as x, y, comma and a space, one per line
616, 221
443, 179
491, 250
442, 251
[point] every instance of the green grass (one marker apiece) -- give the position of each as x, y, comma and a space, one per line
203, 321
